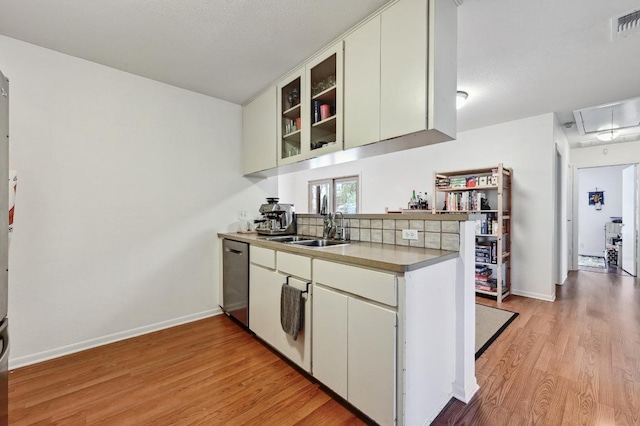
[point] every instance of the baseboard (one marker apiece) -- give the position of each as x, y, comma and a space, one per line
532, 295
23, 361
465, 394
433, 416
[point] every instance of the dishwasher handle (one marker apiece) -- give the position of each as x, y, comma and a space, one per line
234, 251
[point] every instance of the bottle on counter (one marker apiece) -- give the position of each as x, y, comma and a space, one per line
413, 201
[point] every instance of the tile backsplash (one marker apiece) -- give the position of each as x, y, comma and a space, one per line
434, 231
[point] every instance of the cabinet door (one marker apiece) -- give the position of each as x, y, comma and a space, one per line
264, 303
403, 69
325, 108
292, 121
330, 339
362, 85
372, 360
294, 264
299, 350
259, 133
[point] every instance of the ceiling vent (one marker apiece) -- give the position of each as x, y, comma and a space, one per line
625, 25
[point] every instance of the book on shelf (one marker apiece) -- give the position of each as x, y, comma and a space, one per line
465, 201
492, 287
487, 252
486, 223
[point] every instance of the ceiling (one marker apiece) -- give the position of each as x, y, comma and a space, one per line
516, 58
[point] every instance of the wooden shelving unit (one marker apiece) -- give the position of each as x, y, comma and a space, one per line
474, 191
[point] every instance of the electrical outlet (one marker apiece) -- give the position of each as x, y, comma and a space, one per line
409, 234
242, 214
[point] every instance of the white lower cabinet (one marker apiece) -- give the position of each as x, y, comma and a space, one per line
354, 340
264, 302
372, 360
264, 313
330, 356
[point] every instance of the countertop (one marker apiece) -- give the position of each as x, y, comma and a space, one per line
398, 259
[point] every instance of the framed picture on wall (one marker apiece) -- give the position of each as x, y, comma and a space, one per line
596, 198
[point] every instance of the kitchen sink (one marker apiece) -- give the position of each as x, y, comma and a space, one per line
290, 238
307, 241
320, 243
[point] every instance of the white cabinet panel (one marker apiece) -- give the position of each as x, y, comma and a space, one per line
264, 303
403, 69
374, 285
293, 264
262, 256
259, 137
264, 315
372, 360
330, 339
299, 350
362, 85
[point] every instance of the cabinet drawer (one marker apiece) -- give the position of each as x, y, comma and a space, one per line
293, 264
263, 257
374, 285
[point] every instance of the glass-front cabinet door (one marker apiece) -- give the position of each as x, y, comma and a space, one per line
292, 118
310, 108
325, 89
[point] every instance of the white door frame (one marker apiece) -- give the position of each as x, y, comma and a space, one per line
576, 206
628, 259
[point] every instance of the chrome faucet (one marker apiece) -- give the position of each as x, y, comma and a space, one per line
328, 230
342, 235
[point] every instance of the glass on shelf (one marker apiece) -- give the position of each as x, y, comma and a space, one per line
293, 98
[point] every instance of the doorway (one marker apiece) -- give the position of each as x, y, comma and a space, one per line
605, 204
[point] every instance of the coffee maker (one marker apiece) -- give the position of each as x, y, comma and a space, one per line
277, 218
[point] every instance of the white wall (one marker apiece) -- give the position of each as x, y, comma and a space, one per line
591, 222
123, 184
525, 145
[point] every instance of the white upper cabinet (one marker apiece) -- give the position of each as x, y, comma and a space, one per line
259, 133
362, 85
403, 69
418, 69
392, 75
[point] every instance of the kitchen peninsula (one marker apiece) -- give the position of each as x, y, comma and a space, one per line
389, 327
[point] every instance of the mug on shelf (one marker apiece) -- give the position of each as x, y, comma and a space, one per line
325, 112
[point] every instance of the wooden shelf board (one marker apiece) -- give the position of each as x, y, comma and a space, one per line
467, 188
493, 293
466, 211
294, 109
294, 136
324, 122
326, 95
485, 171
486, 264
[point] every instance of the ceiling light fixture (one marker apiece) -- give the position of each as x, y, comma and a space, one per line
610, 134
461, 99
607, 136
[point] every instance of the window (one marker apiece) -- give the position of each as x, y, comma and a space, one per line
342, 195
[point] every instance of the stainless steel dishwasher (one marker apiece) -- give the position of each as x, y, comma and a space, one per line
235, 280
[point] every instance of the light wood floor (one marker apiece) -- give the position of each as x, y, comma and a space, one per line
572, 362
575, 361
209, 372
